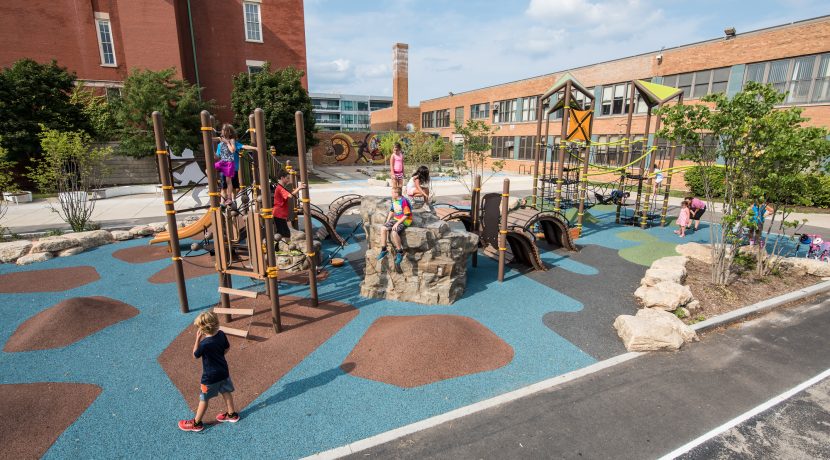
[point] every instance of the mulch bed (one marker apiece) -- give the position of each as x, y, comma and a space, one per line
48, 280
35, 414
747, 288
68, 322
142, 254
409, 351
257, 363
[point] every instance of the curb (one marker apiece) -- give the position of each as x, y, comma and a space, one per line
553, 382
764, 305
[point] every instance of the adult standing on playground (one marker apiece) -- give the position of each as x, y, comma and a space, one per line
697, 207
281, 197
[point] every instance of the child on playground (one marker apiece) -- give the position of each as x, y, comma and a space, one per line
227, 153
281, 200
758, 214
211, 345
396, 166
418, 185
400, 217
683, 218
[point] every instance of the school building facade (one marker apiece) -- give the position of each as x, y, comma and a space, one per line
793, 57
207, 42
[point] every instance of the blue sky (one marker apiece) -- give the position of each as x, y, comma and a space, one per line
459, 45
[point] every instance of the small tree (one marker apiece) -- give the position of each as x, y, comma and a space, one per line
387, 143
100, 113
178, 101
73, 169
279, 93
33, 94
476, 145
422, 149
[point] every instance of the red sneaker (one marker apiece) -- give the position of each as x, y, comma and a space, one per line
226, 417
190, 425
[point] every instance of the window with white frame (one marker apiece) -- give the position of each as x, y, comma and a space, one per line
821, 91
105, 42
504, 111
805, 79
253, 21
529, 105
254, 66
802, 76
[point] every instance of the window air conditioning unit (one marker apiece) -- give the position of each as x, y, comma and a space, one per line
508, 144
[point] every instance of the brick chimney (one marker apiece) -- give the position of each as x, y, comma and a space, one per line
400, 75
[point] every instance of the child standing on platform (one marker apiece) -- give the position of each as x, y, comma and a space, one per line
211, 345
281, 197
396, 166
228, 164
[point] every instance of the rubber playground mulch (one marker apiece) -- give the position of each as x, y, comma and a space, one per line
48, 280
409, 351
257, 363
142, 254
194, 267
68, 322
36, 414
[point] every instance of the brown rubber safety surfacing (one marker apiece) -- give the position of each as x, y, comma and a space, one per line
48, 280
36, 414
68, 322
409, 351
257, 363
143, 254
194, 267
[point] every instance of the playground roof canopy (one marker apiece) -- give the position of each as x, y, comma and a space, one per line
655, 94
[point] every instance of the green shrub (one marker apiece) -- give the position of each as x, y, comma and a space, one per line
694, 177
818, 190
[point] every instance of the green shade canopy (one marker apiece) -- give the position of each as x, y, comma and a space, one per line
655, 94
563, 80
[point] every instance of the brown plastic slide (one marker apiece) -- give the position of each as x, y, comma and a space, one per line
193, 229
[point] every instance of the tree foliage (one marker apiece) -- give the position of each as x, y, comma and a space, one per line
31, 95
178, 102
476, 145
279, 93
763, 152
421, 148
98, 111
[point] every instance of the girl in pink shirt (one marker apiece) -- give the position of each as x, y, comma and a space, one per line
683, 219
396, 166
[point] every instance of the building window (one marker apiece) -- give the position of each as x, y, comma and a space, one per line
442, 118
821, 92
459, 114
504, 111
253, 23
529, 105
720, 80
479, 111
526, 144
802, 76
362, 106
502, 146
325, 104
348, 105
377, 105
428, 120
254, 66
615, 99
113, 93
102, 22
701, 84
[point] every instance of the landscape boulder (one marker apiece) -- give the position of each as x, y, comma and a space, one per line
158, 226
55, 243
121, 235
807, 266
71, 251
34, 257
697, 251
656, 275
665, 295
291, 256
434, 267
93, 238
652, 330
141, 230
11, 251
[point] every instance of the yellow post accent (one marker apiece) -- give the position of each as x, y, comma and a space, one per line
207, 128
161, 152
175, 258
170, 212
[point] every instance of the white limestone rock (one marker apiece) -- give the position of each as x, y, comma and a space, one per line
809, 266
670, 262
697, 251
121, 235
141, 230
653, 330
34, 257
54, 243
94, 238
657, 275
665, 295
71, 251
158, 227
11, 251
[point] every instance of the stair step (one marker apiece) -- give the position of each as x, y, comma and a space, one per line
232, 331
239, 292
234, 311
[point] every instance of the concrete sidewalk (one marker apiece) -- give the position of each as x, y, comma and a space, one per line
130, 210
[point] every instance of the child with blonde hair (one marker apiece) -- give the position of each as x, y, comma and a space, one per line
684, 219
211, 345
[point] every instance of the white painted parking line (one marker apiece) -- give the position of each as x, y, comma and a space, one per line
746, 416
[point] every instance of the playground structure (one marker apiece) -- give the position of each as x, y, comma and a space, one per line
243, 241
646, 167
509, 234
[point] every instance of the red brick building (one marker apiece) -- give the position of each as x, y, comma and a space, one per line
206, 41
793, 57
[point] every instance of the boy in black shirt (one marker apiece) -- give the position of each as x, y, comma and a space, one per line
215, 376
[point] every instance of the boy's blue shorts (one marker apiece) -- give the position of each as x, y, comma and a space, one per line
213, 389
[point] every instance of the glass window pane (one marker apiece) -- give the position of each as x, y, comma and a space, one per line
821, 91
755, 72
671, 80
778, 71
720, 75
684, 79
719, 87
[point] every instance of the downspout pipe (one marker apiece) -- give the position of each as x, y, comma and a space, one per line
193, 45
